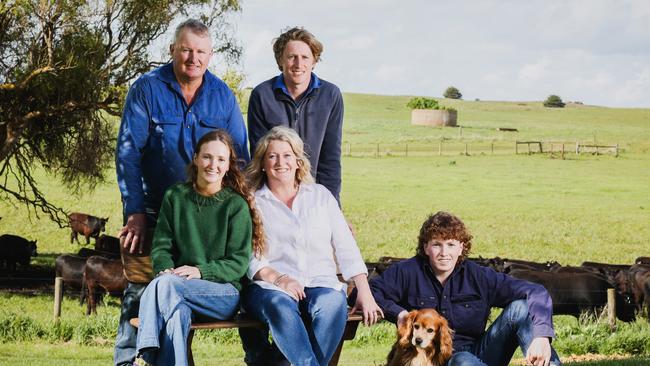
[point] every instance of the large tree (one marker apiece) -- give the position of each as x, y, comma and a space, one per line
65, 67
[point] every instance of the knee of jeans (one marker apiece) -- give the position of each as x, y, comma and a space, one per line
331, 303
463, 359
517, 311
278, 306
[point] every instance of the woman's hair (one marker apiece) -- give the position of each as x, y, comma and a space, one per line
234, 179
296, 34
255, 173
444, 226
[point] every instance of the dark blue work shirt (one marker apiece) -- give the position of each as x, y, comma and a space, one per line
465, 299
159, 131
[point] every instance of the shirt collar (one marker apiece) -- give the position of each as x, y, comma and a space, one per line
166, 74
265, 191
278, 83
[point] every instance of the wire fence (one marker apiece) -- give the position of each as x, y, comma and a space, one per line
469, 148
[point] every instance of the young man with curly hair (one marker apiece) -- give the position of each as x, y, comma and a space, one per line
463, 292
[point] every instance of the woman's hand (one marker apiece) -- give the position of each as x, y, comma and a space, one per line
539, 352
189, 272
365, 303
292, 287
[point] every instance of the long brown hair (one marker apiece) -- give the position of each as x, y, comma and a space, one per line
233, 179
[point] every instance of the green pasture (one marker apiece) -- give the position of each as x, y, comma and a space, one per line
537, 207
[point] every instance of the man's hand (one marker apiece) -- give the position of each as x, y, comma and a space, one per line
134, 232
539, 352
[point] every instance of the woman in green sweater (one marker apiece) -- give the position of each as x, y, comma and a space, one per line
201, 249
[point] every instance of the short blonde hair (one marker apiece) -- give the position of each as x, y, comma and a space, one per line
254, 173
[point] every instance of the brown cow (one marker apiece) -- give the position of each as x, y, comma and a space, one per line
70, 267
103, 273
87, 225
87, 252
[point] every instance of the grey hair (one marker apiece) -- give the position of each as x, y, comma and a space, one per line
195, 26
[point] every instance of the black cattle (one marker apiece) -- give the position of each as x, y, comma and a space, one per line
70, 268
606, 269
87, 252
109, 244
102, 274
495, 263
574, 293
86, 225
16, 249
642, 260
519, 264
636, 282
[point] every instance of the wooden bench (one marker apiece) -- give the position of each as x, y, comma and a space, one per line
245, 322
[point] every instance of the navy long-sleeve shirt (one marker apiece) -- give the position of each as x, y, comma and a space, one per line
317, 117
465, 300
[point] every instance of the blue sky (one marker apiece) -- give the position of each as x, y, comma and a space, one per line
593, 51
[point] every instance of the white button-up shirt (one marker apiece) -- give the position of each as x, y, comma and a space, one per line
308, 240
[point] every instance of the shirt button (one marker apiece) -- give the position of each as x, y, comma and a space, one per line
188, 126
421, 302
444, 311
466, 305
444, 297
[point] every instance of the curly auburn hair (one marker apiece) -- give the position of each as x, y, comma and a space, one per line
234, 179
296, 34
444, 226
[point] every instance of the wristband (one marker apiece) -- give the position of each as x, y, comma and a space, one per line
276, 282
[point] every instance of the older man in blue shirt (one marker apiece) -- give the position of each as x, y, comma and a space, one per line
167, 111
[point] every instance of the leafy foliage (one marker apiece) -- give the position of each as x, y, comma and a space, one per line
426, 103
554, 101
65, 67
452, 93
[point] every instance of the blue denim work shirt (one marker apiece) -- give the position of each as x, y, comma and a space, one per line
465, 300
159, 131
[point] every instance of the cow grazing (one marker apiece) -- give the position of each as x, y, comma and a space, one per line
109, 244
70, 268
636, 282
16, 249
102, 274
574, 293
86, 225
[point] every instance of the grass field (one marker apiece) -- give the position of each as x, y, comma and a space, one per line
533, 207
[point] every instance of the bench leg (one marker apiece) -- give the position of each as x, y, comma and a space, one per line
335, 357
190, 357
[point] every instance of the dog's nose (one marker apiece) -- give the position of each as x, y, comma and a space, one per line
418, 340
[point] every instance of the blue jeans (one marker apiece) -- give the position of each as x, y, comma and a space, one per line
126, 334
496, 347
306, 331
167, 309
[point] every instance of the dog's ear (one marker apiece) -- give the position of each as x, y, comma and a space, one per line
405, 331
444, 341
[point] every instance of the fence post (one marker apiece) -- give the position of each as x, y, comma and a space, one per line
460, 131
516, 148
616, 151
611, 308
563, 151
58, 296
466, 154
492, 147
440, 148
577, 148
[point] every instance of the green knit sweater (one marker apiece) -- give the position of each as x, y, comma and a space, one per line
212, 233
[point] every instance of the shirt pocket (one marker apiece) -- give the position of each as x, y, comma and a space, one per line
469, 314
207, 124
164, 132
422, 302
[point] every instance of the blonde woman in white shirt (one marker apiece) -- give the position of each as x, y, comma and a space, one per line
295, 288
